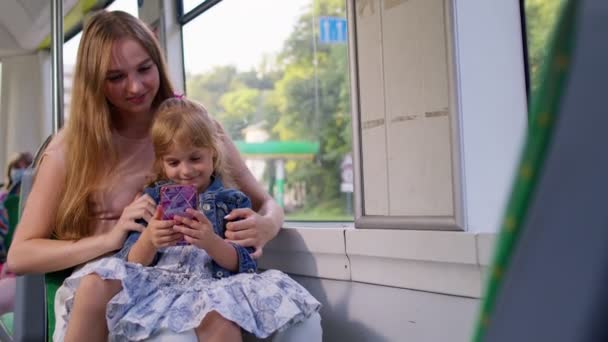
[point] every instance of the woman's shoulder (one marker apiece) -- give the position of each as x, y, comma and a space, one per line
54, 154
57, 147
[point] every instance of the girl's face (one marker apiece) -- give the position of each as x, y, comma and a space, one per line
132, 80
189, 165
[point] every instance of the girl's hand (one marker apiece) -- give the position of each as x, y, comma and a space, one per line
197, 231
249, 229
142, 207
160, 233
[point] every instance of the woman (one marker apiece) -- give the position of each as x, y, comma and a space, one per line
85, 198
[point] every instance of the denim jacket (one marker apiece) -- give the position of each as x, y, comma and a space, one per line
216, 202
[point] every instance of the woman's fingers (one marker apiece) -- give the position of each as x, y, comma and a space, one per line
147, 217
136, 227
242, 233
258, 252
239, 213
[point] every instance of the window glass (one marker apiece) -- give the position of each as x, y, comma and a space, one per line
541, 16
280, 88
70, 50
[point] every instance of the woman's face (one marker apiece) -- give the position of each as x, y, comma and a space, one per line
132, 79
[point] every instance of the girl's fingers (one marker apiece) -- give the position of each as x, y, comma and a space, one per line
167, 240
186, 221
198, 217
158, 212
188, 232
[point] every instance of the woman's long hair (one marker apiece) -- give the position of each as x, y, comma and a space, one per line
90, 149
187, 123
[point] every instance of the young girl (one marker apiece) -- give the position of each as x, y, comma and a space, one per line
208, 276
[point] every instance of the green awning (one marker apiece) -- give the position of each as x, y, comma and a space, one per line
278, 149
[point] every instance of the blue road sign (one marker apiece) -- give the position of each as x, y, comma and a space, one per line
332, 30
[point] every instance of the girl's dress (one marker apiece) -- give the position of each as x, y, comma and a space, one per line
185, 284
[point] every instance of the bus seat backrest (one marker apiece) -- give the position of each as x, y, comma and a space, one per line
28, 176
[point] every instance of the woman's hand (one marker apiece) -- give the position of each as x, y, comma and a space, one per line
249, 229
160, 233
142, 207
197, 231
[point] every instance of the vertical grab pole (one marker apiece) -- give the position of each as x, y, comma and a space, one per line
57, 63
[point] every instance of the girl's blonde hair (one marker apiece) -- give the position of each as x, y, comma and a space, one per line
186, 123
88, 132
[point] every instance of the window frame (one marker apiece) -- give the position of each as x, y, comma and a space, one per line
184, 18
455, 222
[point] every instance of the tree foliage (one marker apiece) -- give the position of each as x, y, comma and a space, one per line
301, 94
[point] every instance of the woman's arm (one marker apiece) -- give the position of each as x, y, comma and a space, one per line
253, 230
32, 250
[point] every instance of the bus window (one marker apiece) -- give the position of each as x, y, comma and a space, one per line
280, 87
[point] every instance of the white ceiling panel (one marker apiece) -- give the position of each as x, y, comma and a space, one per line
25, 23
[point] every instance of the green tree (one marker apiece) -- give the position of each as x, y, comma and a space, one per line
313, 102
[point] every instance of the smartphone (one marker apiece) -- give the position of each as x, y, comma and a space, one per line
175, 199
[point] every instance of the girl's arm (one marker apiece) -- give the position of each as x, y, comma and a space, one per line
199, 232
143, 251
223, 253
32, 250
159, 234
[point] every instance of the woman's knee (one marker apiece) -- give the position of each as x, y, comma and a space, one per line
96, 292
215, 327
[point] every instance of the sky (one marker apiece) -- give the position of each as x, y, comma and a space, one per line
237, 32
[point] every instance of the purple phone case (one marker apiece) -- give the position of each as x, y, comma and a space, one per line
175, 199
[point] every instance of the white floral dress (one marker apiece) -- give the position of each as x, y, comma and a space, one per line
179, 291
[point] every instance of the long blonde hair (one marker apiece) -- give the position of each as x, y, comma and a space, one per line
88, 134
186, 123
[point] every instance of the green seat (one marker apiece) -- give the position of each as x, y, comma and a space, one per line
544, 112
52, 281
6, 327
